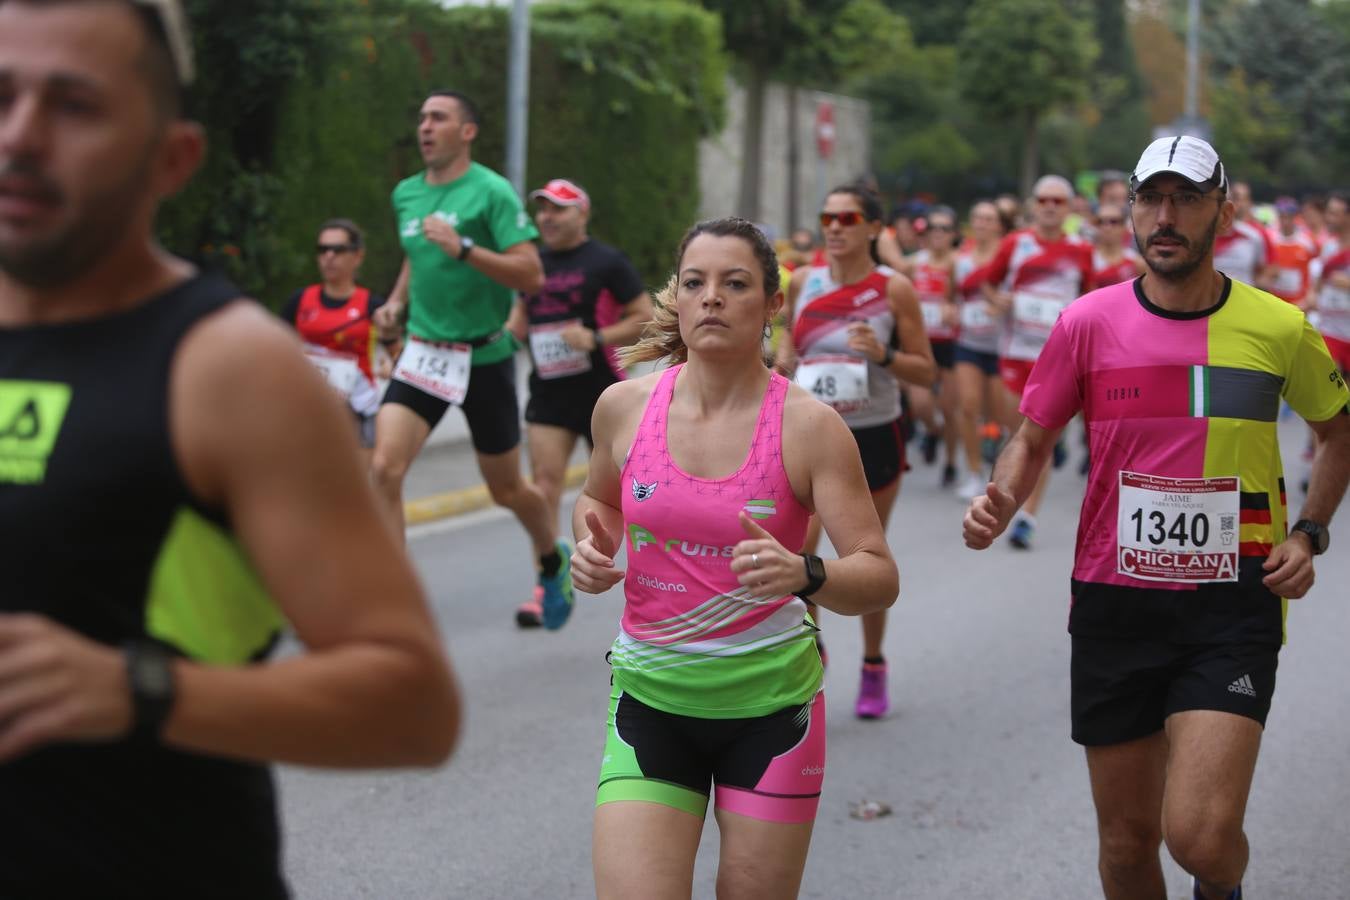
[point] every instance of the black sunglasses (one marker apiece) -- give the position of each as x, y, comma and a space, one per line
339, 249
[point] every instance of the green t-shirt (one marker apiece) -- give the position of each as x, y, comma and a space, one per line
450, 300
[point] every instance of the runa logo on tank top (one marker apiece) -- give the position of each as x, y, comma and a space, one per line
639, 537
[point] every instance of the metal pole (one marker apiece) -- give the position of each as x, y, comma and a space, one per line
518, 95
1193, 61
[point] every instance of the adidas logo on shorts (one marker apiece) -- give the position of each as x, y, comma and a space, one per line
1243, 686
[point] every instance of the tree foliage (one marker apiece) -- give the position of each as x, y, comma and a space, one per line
620, 95
1281, 98
1022, 59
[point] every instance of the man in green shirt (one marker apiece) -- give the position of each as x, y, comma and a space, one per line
468, 245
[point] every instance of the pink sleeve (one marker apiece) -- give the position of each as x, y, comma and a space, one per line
1054, 391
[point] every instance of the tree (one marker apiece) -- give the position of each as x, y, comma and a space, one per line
1022, 59
803, 42
1284, 67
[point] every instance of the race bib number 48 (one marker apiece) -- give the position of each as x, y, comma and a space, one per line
1177, 529
441, 370
840, 381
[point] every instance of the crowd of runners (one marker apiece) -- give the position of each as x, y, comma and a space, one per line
774, 395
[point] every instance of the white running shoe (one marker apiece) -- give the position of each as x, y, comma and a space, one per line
971, 488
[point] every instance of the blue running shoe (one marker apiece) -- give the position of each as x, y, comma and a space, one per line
1021, 534
558, 590
1195, 891
1061, 454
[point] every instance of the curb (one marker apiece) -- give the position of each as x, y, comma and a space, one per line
470, 499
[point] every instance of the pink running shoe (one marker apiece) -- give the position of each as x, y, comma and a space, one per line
530, 614
872, 700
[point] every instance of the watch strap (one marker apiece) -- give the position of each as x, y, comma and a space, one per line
815, 574
151, 682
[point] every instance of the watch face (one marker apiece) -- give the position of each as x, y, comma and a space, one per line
153, 675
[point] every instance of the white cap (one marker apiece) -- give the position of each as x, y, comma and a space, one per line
1184, 155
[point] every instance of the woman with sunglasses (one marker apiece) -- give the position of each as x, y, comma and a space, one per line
1113, 260
978, 386
708, 471
932, 274
333, 318
857, 331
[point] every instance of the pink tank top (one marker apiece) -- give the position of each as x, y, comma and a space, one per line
693, 640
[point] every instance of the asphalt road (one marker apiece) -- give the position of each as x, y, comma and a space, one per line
990, 797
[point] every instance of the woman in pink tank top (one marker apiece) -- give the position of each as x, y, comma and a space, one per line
705, 473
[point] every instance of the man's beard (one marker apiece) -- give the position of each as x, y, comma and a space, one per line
1183, 268
72, 251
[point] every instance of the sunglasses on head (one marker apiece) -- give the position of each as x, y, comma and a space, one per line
339, 249
846, 218
170, 25
1052, 201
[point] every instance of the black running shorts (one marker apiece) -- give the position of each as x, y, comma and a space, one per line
883, 454
1125, 689
490, 406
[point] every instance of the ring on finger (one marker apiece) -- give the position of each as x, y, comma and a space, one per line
754, 560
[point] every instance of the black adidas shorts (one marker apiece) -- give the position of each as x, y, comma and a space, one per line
1122, 690
489, 406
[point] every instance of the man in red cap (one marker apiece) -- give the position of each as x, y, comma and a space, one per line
591, 302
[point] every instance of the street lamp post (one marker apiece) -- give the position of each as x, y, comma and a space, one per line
518, 95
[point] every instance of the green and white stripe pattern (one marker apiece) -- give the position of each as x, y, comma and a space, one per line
688, 664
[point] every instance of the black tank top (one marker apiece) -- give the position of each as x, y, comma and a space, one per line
100, 533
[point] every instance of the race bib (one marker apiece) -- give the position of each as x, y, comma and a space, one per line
933, 322
553, 357
341, 372
1288, 281
975, 317
441, 370
1177, 529
1334, 300
840, 381
1033, 317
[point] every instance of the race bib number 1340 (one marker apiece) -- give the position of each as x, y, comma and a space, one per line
1177, 529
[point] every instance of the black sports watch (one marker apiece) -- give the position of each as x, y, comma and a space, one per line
466, 244
815, 575
1318, 535
150, 677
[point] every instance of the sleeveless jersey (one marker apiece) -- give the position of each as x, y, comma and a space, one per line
931, 283
105, 538
346, 330
1333, 303
694, 641
1044, 277
981, 327
1105, 274
1293, 256
825, 310
1243, 252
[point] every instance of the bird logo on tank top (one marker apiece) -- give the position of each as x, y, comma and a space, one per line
643, 491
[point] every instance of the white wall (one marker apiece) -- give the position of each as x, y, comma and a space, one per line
720, 156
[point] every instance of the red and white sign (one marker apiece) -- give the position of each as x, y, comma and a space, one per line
825, 132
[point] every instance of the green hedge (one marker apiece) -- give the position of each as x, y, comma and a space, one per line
620, 95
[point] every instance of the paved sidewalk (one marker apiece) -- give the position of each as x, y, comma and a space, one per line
444, 480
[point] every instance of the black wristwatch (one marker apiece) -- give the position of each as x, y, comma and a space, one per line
815, 575
465, 245
888, 357
1318, 535
150, 677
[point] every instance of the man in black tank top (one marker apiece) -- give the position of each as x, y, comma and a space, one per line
166, 458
